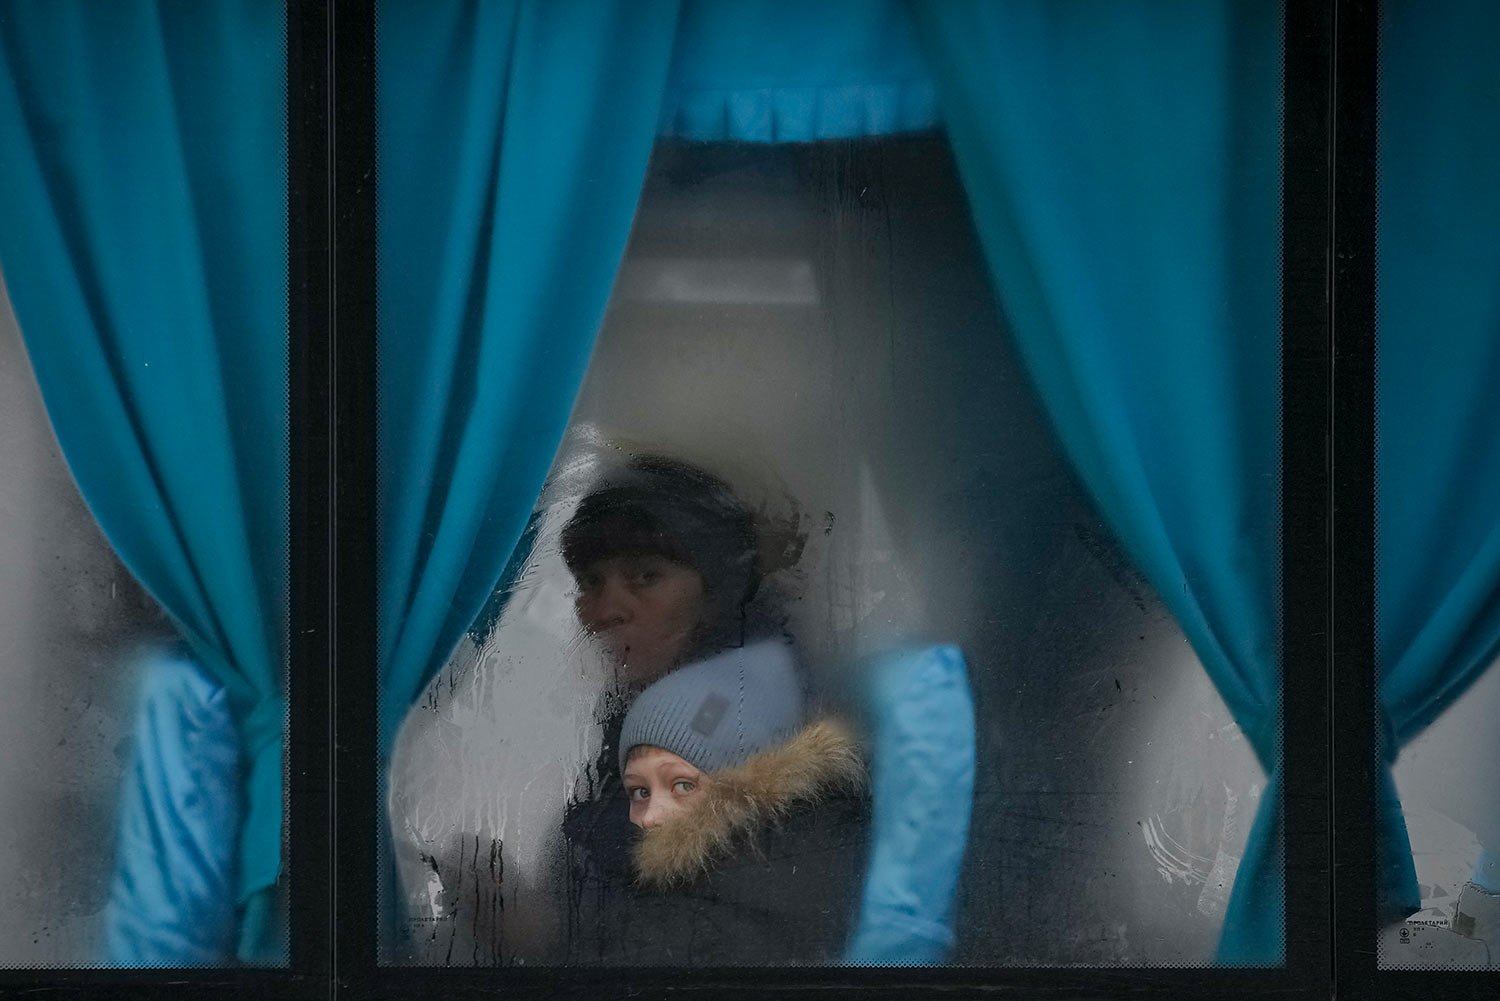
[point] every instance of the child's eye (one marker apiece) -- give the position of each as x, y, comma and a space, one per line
684, 786
639, 793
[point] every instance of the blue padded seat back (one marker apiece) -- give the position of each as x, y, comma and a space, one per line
921, 715
172, 902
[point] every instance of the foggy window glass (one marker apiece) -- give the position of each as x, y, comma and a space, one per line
119, 765
814, 327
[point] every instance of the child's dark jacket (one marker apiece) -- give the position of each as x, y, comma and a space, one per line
766, 870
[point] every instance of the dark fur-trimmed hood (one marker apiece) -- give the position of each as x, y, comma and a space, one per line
821, 761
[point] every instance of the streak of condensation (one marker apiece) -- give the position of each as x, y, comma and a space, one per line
1177, 862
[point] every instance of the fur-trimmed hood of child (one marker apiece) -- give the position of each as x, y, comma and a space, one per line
820, 762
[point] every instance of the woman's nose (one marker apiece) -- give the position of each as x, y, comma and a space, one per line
608, 606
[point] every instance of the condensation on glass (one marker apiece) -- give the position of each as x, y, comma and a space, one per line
814, 324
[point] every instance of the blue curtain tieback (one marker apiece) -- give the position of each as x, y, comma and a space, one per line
263, 731
1396, 881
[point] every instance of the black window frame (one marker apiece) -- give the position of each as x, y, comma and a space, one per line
1307, 592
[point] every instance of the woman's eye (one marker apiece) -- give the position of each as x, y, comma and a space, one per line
684, 786
643, 572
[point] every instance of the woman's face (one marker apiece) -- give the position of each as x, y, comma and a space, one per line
645, 608
660, 785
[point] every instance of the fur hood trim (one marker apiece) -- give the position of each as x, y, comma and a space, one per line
821, 761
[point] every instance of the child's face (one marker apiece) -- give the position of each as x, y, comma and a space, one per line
646, 609
660, 785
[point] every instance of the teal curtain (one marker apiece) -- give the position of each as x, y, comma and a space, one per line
512, 145
1437, 454
1122, 162
143, 236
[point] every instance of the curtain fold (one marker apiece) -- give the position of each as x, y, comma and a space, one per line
1123, 167
143, 237
1437, 456
513, 140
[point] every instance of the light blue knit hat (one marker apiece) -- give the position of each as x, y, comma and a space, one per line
717, 713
